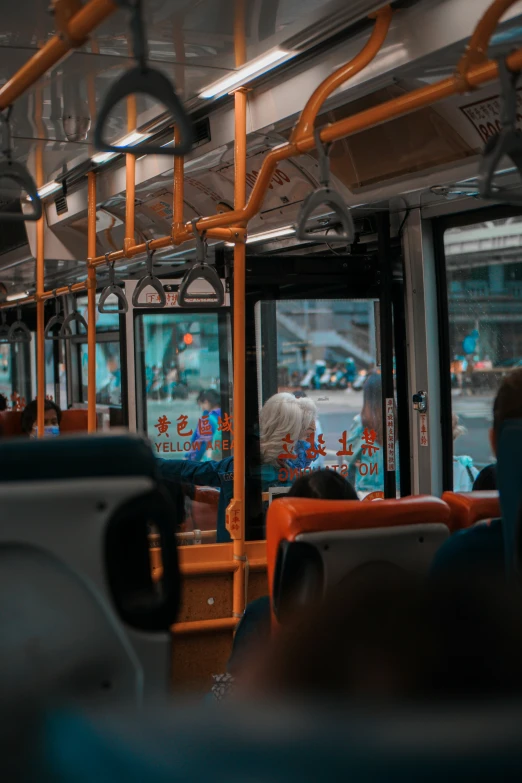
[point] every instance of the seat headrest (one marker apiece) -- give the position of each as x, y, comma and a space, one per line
10, 423
468, 508
74, 420
509, 479
67, 457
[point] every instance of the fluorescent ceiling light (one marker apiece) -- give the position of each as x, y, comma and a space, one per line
15, 297
48, 188
126, 141
103, 157
286, 231
243, 75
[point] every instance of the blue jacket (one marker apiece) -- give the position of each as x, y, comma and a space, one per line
197, 452
218, 474
480, 547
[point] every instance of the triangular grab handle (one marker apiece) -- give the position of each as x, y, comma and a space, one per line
14, 171
149, 281
201, 271
325, 196
158, 87
54, 321
506, 144
113, 290
19, 333
65, 332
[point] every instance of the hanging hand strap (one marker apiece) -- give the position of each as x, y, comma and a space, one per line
325, 197
54, 321
201, 270
66, 332
16, 172
149, 281
506, 144
146, 81
19, 333
112, 289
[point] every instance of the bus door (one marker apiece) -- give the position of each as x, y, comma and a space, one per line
179, 385
332, 327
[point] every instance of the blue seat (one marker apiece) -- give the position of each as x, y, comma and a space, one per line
75, 515
509, 479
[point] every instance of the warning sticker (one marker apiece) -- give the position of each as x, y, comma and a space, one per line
485, 115
390, 435
423, 429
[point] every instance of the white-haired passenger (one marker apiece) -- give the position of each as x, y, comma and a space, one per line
285, 424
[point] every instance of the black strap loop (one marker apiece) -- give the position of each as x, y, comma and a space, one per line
122, 306
201, 270
19, 333
146, 81
16, 172
149, 281
506, 144
54, 321
66, 332
325, 197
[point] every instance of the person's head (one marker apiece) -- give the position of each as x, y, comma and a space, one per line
457, 427
371, 413
208, 400
281, 416
507, 405
322, 485
52, 418
3, 402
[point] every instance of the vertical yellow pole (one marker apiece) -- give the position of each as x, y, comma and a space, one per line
236, 510
91, 304
130, 179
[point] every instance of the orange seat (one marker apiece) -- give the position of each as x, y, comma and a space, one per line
331, 538
74, 420
468, 508
10, 423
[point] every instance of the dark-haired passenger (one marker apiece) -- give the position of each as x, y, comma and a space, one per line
253, 630
52, 419
482, 546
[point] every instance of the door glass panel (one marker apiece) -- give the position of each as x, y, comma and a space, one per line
5, 371
484, 274
108, 372
183, 357
327, 349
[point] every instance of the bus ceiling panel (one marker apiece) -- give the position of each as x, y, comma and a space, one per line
201, 33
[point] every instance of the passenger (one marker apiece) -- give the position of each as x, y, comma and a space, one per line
482, 546
52, 419
382, 635
486, 479
205, 432
365, 440
464, 473
304, 445
253, 630
284, 421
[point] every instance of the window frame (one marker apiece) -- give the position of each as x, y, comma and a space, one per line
440, 226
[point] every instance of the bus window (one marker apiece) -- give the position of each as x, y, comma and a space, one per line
328, 350
484, 283
108, 360
181, 357
5, 371
108, 373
